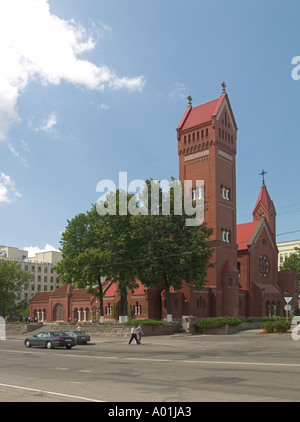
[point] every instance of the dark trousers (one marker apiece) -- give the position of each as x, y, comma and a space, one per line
133, 336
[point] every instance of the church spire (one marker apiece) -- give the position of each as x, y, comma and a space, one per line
264, 206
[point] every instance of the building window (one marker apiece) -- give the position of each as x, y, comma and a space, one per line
108, 309
229, 283
225, 193
225, 236
198, 193
137, 309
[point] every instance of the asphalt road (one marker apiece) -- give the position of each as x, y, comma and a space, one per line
244, 367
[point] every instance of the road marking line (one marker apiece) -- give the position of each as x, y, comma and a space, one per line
35, 390
164, 360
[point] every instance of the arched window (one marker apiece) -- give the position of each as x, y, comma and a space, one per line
59, 312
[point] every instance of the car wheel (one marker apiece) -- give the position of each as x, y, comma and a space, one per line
49, 345
27, 343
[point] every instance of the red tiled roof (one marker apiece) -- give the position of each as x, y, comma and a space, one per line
81, 294
195, 116
140, 290
111, 290
244, 233
41, 297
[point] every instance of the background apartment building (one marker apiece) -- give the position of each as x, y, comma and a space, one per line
286, 249
41, 269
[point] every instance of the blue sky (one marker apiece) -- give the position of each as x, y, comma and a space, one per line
91, 88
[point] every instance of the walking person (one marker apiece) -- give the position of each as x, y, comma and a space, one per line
139, 333
133, 335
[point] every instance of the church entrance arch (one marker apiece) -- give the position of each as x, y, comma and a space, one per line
59, 312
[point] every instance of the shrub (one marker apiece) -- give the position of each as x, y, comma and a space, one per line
278, 326
217, 322
152, 322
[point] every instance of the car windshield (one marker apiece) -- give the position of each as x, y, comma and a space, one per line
56, 333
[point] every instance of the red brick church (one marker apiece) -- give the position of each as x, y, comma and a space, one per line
244, 280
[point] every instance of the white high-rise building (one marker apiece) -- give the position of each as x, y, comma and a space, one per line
43, 277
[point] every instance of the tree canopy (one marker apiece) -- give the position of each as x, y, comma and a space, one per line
12, 279
171, 252
148, 244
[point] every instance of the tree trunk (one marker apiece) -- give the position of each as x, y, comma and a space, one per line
168, 301
123, 316
101, 308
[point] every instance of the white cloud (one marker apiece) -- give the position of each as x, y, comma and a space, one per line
49, 123
33, 250
37, 45
8, 190
16, 154
179, 90
104, 106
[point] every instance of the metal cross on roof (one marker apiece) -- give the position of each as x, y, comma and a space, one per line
263, 172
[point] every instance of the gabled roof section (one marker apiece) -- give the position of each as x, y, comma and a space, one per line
196, 116
81, 294
244, 234
111, 290
64, 290
140, 289
247, 232
269, 288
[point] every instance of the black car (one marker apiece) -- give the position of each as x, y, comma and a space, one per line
80, 336
50, 339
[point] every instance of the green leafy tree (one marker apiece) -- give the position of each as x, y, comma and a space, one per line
12, 279
124, 239
170, 252
98, 245
114, 230
82, 259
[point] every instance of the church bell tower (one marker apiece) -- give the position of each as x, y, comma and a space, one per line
207, 136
